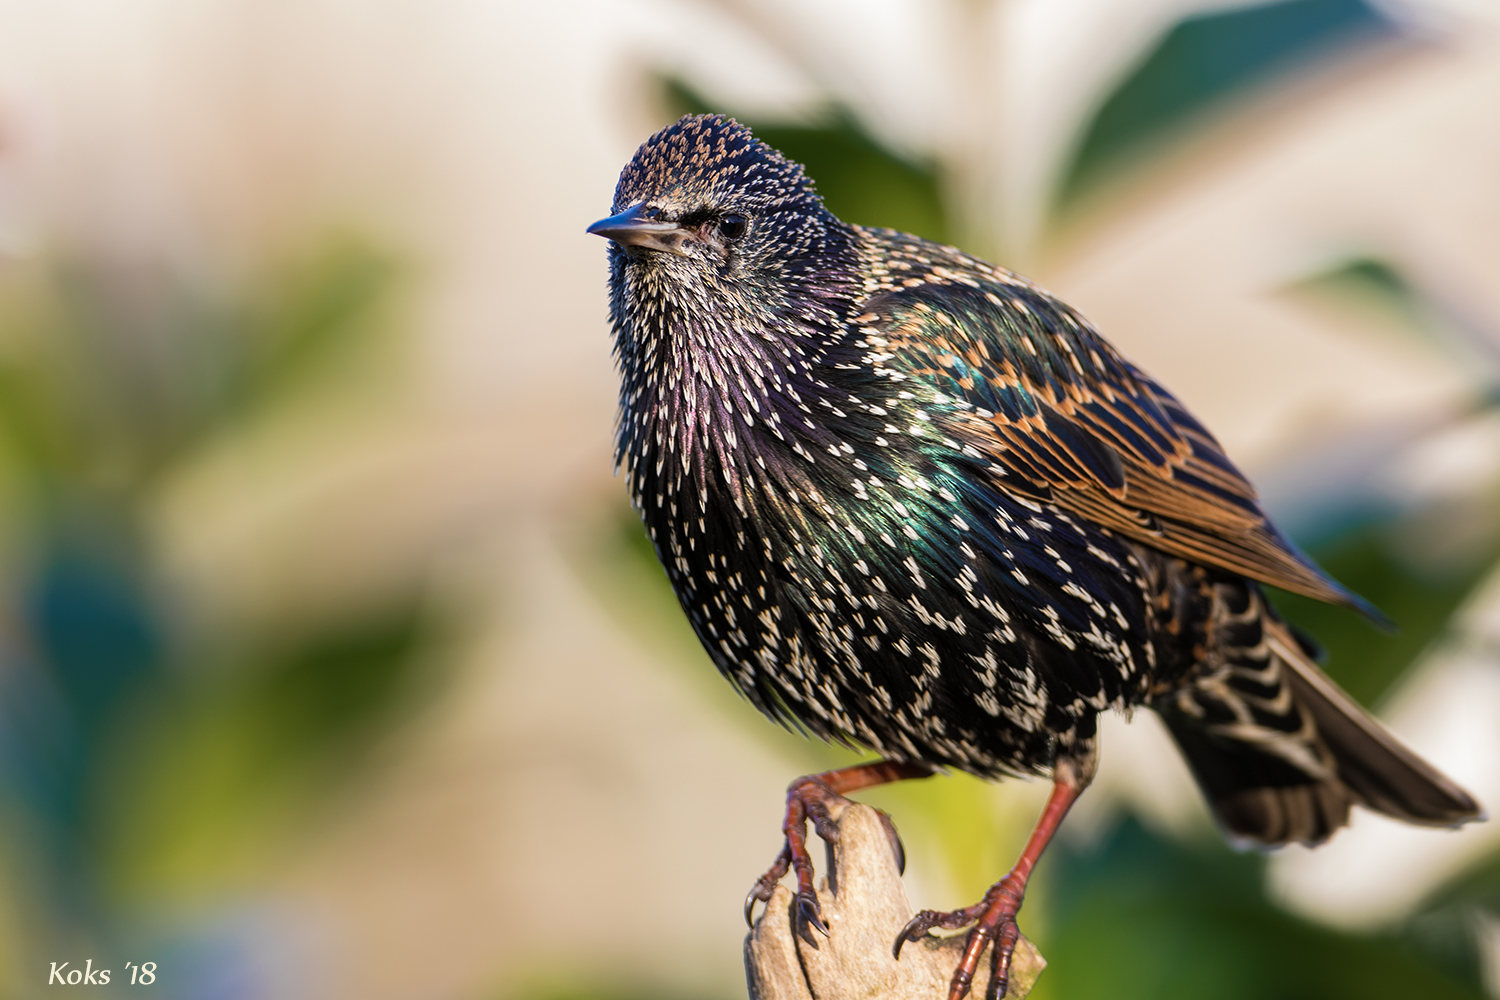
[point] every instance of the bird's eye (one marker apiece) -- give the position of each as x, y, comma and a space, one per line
732, 226
651, 213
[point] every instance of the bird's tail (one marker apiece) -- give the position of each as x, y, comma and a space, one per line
1280, 752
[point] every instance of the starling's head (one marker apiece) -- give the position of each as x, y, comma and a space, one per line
723, 261
704, 195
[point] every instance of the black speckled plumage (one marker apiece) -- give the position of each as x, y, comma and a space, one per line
912, 502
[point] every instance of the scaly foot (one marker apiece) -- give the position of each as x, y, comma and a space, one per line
994, 920
818, 797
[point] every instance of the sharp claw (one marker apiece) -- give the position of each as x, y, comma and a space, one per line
914, 928
750, 902
998, 985
897, 848
812, 915
810, 918
1003, 946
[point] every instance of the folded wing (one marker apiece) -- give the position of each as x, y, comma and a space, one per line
1063, 419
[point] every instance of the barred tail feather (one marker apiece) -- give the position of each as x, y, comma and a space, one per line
1281, 753
1381, 772
1257, 797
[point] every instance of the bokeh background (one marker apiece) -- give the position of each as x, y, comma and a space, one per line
333, 662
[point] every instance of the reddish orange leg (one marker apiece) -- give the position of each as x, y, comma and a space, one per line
994, 917
820, 797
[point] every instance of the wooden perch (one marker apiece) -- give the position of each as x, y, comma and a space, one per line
864, 915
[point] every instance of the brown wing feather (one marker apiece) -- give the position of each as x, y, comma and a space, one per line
1065, 420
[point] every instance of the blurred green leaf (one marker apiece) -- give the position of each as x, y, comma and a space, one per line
1370, 278
42, 433
1456, 921
110, 375
1364, 660
1373, 295
29, 428
335, 685
318, 310
215, 767
1143, 916
1201, 62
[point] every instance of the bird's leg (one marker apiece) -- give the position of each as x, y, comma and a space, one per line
994, 916
820, 797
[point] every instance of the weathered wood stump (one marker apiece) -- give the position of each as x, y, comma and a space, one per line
865, 909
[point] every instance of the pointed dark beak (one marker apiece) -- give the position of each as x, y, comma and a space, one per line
629, 228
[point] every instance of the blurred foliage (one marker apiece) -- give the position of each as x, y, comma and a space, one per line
1374, 296
1144, 916
1458, 921
219, 767
1201, 62
1372, 286
148, 760
1363, 659
108, 377
325, 307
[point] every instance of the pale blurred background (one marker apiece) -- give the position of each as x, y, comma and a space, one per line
332, 660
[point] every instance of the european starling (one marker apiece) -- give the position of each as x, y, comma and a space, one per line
913, 503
